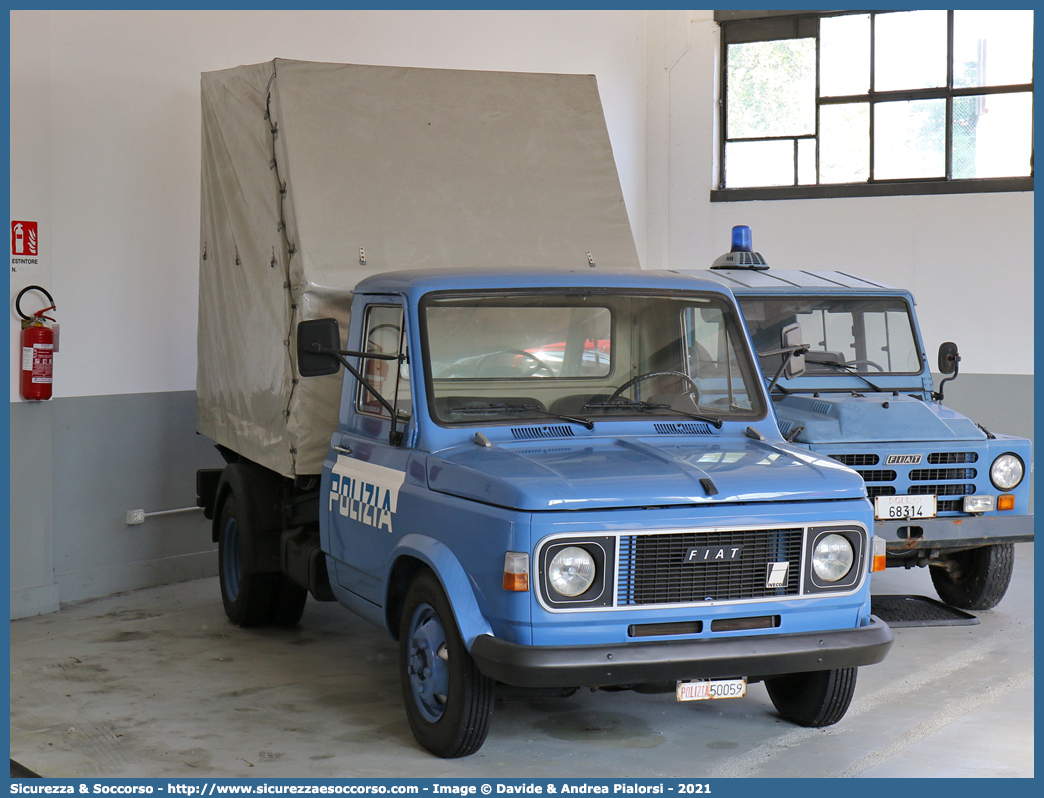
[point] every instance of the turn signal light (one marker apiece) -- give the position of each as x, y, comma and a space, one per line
516, 571
1006, 502
877, 544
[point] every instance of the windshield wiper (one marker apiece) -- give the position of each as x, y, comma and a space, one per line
845, 368
504, 406
641, 404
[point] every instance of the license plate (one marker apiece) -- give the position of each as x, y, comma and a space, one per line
714, 688
904, 508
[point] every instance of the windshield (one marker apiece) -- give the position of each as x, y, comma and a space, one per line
864, 336
501, 358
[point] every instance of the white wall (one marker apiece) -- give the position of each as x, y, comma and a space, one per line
967, 258
105, 155
106, 136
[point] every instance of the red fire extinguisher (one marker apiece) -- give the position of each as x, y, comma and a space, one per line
37, 348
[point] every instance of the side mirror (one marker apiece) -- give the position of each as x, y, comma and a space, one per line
313, 337
790, 338
948, 358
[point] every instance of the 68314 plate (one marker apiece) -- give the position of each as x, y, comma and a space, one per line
901, 508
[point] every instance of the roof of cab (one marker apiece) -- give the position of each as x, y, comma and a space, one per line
747, 281
422, 281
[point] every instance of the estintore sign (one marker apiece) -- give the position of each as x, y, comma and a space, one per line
24, 238
25, 245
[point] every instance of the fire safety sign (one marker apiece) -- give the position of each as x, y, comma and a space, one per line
25, 244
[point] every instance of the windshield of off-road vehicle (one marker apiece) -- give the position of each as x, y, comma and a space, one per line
873, 335
502, 358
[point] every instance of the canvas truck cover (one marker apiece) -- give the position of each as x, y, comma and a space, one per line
317, 175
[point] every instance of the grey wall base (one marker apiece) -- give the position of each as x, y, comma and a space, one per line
29, 601
78, 464
1000, 402
33, 589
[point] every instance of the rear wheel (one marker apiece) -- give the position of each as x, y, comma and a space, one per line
252, 599
978, 578
820, 698
448, 700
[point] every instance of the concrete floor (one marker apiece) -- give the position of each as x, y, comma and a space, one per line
156, 683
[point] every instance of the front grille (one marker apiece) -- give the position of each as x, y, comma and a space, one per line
926, 474
880, 490
652, 568
857, 459
916, 481
952, 458
941, 490
877, 476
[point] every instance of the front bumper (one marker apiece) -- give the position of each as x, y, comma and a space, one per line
668, 660
951, 532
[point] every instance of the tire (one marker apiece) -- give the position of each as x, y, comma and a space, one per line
981, 577
250, 599
448, 701
820, 698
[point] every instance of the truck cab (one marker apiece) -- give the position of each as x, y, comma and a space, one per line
547, 480
947, 492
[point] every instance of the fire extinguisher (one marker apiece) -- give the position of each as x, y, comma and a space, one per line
38, 347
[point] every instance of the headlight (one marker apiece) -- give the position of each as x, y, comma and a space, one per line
1006, 471
571, 571
832, 557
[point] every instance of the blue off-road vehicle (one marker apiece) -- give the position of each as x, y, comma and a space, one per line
947, 492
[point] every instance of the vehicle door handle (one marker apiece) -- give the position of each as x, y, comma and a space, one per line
341, 449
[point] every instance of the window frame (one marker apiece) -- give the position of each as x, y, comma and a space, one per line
907, 306
737, 27
361, 390
761, 401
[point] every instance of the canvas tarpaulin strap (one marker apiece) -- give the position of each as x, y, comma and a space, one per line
306, 166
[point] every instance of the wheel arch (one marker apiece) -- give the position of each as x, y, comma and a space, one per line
409, 556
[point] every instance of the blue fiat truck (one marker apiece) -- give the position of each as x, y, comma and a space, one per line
546, 480
947, 492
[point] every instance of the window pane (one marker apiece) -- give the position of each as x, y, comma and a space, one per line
909, 50
711, 341
519, 342
866, 336
992, 135
759, 163
909, 139
844, 143
771, 88
383, 333
844, 55
807, 162
992, 48
508, 356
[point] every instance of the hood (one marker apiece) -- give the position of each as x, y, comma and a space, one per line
638, 472
844, 418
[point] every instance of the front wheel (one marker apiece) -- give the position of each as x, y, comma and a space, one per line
978, 578
448, 700
820, 698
